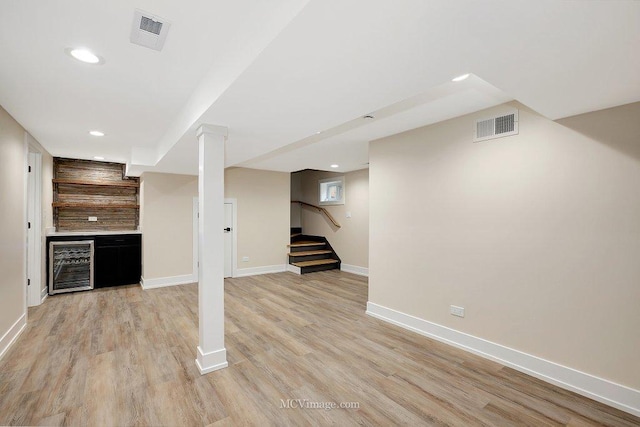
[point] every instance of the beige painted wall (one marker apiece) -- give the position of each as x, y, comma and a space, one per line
166, 221
536, 235
351, 240
263, 215
12, 222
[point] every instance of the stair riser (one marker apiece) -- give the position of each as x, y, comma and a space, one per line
307, 248
314, 268
302, 237
309, 257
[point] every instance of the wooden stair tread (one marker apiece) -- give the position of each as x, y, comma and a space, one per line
305, 243
296, 234
314, 262
309, 253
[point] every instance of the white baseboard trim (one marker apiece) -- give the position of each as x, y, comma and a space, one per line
12, 334
162, 282
212, 361
293, 269
607, 392
354, 269
43, 295
267, 269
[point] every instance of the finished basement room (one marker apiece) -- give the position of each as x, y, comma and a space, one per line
305, 212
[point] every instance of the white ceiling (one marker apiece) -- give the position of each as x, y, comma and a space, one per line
276, 73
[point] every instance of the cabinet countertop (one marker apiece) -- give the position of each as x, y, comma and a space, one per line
91, 233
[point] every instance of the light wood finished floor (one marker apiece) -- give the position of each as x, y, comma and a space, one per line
124, 356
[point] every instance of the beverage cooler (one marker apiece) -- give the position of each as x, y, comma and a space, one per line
70, 266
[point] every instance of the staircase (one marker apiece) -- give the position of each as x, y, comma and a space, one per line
311, 253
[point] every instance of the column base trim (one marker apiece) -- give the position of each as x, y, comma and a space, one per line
212, 361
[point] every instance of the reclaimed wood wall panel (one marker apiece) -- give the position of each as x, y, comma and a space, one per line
99, 195
109, 219
84, 188
89, 170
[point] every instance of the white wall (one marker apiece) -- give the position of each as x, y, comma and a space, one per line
537, 235
12, 229
351, 240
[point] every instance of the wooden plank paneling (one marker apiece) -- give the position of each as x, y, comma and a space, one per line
87, 170
75, 219
84, 188
97, 195
126, 183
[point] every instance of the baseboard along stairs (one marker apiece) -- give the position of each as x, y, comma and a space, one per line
311, 253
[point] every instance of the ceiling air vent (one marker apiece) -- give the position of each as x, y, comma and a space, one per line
149, 30
496, 127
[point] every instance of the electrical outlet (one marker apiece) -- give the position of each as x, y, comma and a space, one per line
245, 259
93, 218
349, 214
457, 311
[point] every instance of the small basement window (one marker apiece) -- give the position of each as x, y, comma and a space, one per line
331, 191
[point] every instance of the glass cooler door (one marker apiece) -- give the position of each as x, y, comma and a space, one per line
70, 266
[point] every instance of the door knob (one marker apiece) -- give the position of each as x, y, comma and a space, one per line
227, 230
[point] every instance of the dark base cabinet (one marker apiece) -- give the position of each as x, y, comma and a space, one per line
117, 258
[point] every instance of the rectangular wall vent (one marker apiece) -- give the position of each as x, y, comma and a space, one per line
496, 127
148, 30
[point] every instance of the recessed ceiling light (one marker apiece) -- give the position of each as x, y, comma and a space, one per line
96, 133
334, 166
84, 55
460, 78
98, 157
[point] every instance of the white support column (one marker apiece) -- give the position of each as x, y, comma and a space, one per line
212, 354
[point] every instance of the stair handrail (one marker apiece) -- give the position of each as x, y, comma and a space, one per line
319, 209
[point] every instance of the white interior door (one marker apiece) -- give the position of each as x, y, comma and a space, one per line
31, 247
228, 240
34, 230
229, 237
